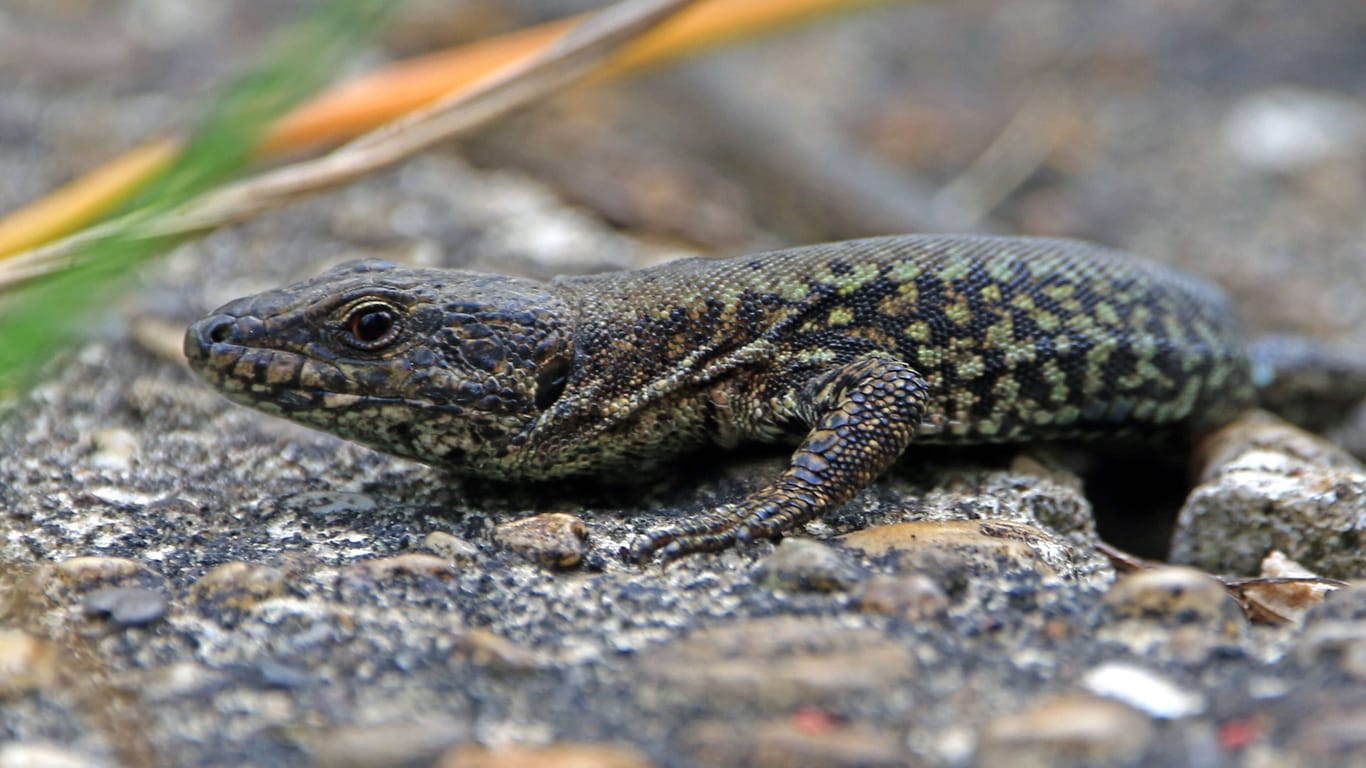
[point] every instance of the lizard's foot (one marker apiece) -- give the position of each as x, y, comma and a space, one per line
708, 532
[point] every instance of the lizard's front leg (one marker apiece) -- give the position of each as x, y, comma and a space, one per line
862, 415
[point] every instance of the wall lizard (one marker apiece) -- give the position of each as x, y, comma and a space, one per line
848, 350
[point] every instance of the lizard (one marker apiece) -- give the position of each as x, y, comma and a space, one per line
848, 350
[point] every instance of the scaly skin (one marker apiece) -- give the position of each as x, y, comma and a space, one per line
848, 350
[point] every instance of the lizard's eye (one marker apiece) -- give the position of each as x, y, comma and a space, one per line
371, 325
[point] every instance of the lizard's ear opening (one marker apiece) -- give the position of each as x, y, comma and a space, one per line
556, 357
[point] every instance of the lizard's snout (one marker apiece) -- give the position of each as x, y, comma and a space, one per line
220, 329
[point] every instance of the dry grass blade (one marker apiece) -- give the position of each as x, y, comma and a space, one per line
575, 54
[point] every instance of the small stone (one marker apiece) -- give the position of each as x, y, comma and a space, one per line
992, 545
1067, 730
553, 539
341, 504
82, 574
451, 547
1143, 690
1335, 632
128, 606
417, 742
238, 585
116, 449
41, 754
26, 663
411, 563
778, 662
792, 743
912, 596
803, 565
1182, 610
1271, 486
486, 649
1289, 129
566, 754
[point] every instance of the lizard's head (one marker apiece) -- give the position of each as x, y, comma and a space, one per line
449, 368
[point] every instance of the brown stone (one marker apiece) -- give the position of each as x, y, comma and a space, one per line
553, 539
912, 596
559, 755
963, 543
779, 661
1068, 730
487, 649
409, 563
238, 585
26, 662
803, 565
1180, 609
789, 744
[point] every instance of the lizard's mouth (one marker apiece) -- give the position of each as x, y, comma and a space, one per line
229, 351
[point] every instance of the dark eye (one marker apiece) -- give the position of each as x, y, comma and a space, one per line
371, 325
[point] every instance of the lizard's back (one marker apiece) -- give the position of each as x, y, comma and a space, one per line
1016, 338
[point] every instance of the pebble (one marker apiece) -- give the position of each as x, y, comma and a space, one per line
804, 565
780, 661
1271, 486
116, 449
985, 546
82, 574
553, 539
42, 754
793, 743
451, 547
1067, 730
419, 741
26, 662
127, 606
566, 754
1335, 632
1175, 610
911, 596
1289, 129
409, 563
486, 649
239, 586
1143, 690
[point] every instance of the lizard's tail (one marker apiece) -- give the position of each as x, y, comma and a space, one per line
1306, 382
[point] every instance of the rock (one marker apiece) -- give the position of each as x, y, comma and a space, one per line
553, 539
409, 563
912, 596
972, 545
116, 449
128, 606
1335, 633
238, 586
1270, 486
804, 565
26, 663
486, 649
793, 743
1067, 730
1143, 690
1290, 129
778, 662
1171, 610
389, 745
84, 574
40, 754
559, 755
451, 547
